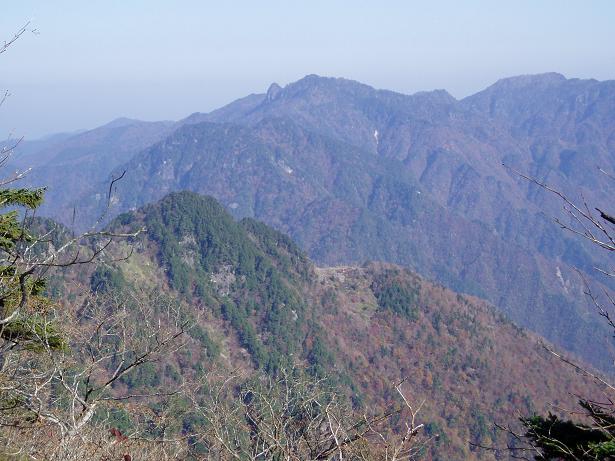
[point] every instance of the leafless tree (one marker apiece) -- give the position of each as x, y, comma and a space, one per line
589, 433
297, 417
59, 367
63, 395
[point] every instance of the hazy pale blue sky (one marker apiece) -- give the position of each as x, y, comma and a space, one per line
93, 61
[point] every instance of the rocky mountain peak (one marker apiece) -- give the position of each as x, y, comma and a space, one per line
273, 91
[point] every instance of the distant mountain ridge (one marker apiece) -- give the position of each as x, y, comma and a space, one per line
354, 174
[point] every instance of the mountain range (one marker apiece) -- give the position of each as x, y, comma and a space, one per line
354, 174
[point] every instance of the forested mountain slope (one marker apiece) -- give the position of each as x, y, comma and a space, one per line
259, 302
68, 164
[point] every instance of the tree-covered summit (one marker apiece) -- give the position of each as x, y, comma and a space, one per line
246, 272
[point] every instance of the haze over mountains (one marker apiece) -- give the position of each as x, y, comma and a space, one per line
353, 174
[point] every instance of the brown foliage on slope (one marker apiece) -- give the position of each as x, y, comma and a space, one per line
470, 365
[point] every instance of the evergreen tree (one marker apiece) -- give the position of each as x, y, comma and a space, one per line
22, 303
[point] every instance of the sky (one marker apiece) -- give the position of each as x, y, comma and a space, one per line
91, 62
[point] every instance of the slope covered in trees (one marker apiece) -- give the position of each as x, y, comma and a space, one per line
257, 302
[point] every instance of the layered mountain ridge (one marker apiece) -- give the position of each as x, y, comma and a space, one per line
353, 174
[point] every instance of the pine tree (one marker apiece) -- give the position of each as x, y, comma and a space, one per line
22, 301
